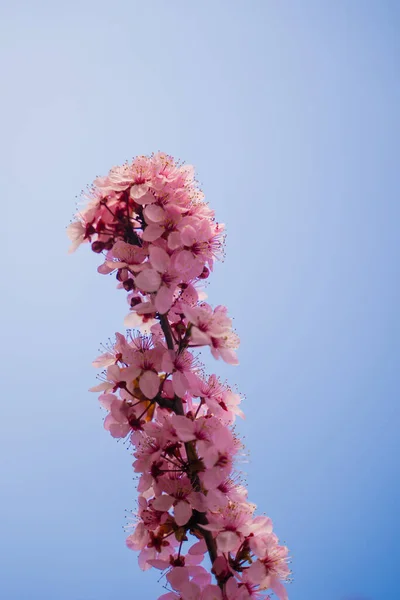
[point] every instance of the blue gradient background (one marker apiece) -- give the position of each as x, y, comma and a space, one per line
289, 111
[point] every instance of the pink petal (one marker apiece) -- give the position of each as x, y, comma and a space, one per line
149, 384
174, 240
152, 232
75, 231
261, 523
229, 356
177, 577
200, 576
164, 299
191, 295
200, 338
105, 268
147, 198
197, 501
227, 541
278, 588
183, 261
124, 252
256, 572
211, 592
102, 387
232, 590
159, 259
104, 360
163, 502
148, 280
119, 430
167, 361
191, 313
116, 411
106, 400
184, 428
180, 383
154, 213
190, 591
188, 235
138, 539
223, 439
133, 320
193, 559
198, 548
182, 512
159, 564
144, 556
145, 482
108, 421
144, 308
138, 190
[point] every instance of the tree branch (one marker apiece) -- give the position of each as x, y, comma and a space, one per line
177, 407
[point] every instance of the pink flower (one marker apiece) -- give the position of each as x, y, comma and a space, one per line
158, 546
181, 367
220, 493
180, 495
222, 401
231, 526
118, 420
126, 255
212, 440
237, 591
193, 583
142, 317
213, 328
120, 352
202, 240
116, 378
118, 179
272, 567
169, 279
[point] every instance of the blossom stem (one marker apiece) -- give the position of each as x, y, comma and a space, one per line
200, 517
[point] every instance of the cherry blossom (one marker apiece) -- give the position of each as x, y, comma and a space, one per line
149, 220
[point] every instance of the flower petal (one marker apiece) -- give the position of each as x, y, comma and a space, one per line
164, 299
177, 577
149, 384
188, 235
184, 427
152, 232
154, 213
148, 280
182, 513
159, 259
184, 261
163, 502
146, 198
106, 400
104, 360
211, 592
227, 541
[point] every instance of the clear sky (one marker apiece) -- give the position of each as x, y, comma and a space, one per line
289, 111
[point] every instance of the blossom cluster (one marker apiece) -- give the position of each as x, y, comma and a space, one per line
149, 220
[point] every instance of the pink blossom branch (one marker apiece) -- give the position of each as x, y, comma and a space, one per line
149, 220
199, 517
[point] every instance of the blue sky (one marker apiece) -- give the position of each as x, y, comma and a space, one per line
289, 111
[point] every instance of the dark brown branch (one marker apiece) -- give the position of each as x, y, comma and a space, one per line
165, 326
